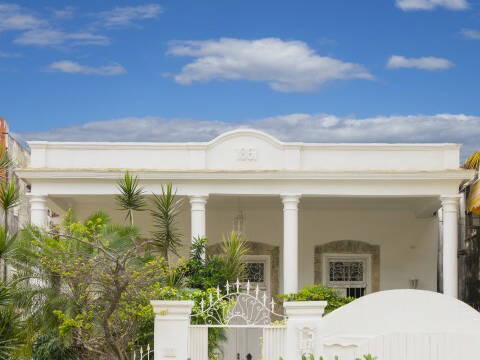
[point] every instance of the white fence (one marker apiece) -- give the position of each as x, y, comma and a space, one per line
392, 325
273, 342
142, 353
198, 342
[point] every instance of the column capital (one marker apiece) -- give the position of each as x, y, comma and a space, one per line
290, 198
37, 197
198, 199
450, 202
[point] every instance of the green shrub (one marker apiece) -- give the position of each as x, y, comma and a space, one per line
50, 346
311, 357
159, 292
319, 293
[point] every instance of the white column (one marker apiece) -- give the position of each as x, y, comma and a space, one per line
290, 243
198, 218
450, 245
38, 210
172, 320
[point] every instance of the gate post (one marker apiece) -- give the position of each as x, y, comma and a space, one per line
303, 324
172, 320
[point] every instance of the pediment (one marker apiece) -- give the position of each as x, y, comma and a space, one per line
245, 149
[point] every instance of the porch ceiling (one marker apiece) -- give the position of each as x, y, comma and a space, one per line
422, 206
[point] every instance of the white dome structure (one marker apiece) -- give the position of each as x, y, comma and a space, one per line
403, 325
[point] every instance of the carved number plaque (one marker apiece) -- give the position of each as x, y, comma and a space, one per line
246, 154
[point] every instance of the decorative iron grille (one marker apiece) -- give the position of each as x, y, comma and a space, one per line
240, 304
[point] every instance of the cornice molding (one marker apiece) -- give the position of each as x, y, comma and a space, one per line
114, 174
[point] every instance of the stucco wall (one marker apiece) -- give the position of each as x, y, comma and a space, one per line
408, 245
244, 149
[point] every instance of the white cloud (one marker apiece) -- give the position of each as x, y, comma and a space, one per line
15, 18
432, 4
471, 34
289, 66
71, 67
4, 54
65, 13
37, 31
124, 16
328, 128
423, 63
50, 37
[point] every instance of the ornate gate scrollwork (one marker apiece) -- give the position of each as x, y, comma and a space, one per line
239, 305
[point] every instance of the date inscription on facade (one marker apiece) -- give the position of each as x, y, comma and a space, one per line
246, 154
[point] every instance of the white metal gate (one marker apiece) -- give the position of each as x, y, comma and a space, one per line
240, 308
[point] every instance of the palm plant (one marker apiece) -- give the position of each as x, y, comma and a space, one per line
131, 196
5, 160
166, 237
10, 322
49, 346
234, 250
9, 197
39, 291
7, 249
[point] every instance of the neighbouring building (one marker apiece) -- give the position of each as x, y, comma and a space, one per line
357, 217
20, 155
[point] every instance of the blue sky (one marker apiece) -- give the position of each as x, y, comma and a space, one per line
330, 70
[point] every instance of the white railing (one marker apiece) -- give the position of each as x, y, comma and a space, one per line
198, 342
142, 353
274, 338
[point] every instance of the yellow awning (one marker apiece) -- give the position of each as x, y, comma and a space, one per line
473, 201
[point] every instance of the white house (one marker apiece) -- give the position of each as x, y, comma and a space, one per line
359, 217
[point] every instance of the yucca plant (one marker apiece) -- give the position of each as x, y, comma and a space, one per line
234, 250
5, 160
166, 237
131, 196
7, 249
9, 197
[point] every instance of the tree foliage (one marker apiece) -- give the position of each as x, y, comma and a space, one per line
81, 290
99, 271
204, 271
11, 332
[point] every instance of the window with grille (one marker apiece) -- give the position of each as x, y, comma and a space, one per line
257, 271
347, 274
254, 272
